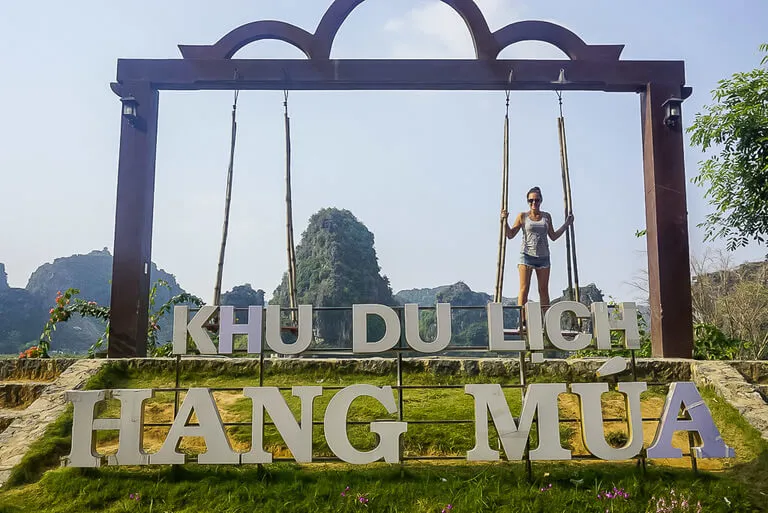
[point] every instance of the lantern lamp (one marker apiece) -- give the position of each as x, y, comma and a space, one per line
130, 108
672, 112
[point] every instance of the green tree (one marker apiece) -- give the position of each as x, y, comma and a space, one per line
336, 265
736, 177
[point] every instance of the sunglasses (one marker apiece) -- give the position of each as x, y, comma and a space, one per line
534, 200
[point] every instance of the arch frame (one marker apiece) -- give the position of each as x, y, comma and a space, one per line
589, 68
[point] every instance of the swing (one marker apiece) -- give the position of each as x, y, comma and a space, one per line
290, 247
570, 234
227, 201
289, 214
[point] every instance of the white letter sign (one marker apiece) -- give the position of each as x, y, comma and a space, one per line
391, 336
297, 437
181, 326
684, 395
592, 419
336, 426
228, 329
217, 448
541, 397
443, 321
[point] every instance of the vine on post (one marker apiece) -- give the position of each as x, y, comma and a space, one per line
66, 304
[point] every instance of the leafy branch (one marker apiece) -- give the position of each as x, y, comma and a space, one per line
67, 304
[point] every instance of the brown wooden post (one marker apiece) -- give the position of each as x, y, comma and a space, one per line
133, 224
669, 276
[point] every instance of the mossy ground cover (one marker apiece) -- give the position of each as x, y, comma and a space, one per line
722, 485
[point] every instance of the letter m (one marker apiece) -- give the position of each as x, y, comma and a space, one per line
540, 400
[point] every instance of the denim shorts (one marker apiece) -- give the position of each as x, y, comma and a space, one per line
534, 262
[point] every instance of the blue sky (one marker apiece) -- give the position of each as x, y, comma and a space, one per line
421, 169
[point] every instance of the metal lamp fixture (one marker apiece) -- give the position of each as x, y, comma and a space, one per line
130, 108
672, 112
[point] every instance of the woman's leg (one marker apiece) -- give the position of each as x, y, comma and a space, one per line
525, 284
522, 296
542, 278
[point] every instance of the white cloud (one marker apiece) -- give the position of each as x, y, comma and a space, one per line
435, 30
394, 25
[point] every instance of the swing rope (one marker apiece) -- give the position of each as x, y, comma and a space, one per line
497, 297
228, 200
291, 249
570, 234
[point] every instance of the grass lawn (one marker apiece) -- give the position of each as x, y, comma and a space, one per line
724, 485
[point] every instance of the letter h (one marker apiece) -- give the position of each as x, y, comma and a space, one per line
130, 425
228, 329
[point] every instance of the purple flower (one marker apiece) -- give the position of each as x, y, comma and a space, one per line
617, 493
447, 508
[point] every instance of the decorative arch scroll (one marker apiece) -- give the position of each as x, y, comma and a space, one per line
487, 45
228, 45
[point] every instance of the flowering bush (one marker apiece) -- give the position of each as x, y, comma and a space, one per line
62, 310
32, 352
67, 304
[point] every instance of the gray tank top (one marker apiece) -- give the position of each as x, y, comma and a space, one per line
535, 236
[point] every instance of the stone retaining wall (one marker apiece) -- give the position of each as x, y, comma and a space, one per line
31, 423
732, 387
583, 369
33, 369
756, 372
20, 395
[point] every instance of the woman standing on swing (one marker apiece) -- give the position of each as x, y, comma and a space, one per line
536, 226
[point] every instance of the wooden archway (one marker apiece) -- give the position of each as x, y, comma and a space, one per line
591, 67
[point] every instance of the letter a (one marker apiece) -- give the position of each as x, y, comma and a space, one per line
684, 395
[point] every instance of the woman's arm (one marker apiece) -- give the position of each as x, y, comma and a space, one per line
518, 223
555, 234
